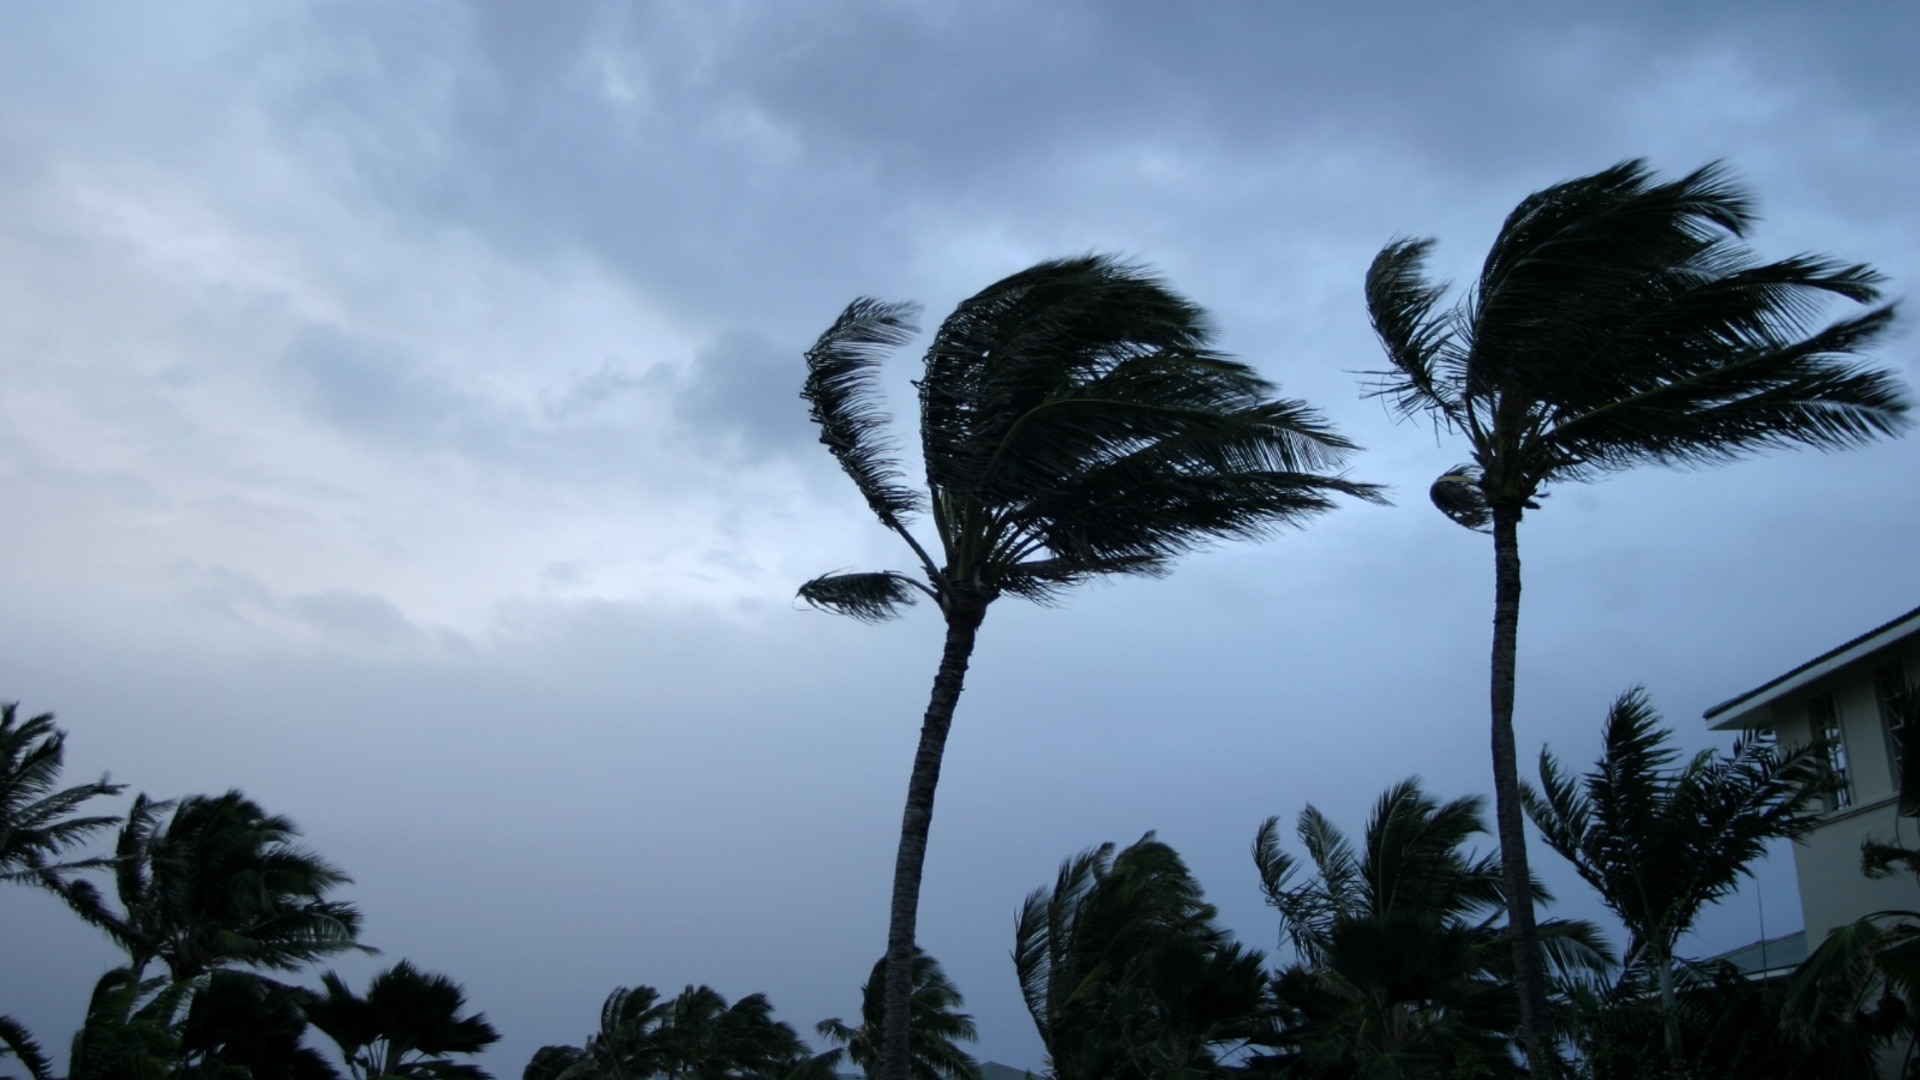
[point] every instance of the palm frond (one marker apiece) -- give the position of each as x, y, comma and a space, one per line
1419, 342
16, 1040
869, 597
842, 386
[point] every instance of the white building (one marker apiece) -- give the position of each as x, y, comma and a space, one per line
1843, 701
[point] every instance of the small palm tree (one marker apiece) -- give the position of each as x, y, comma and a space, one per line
1126, 973
408, 1024
1401, 966
1660, 843
1075, 423
1618, 321
937, 1028
219, 884
37, 822
704, 1038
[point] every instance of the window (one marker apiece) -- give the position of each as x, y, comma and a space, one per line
1824, 720
1890, 690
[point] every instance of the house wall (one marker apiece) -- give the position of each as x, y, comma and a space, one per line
1833, 891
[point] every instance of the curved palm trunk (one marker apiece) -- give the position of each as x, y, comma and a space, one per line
963, 623
1529, 966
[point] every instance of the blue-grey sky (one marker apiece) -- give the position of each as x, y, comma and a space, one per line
398, 422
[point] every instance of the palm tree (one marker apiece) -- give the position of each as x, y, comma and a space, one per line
221, 884
627, 1046
704, 1038
407, 1025
1074, 424
1660, 843
696, 1035
937, 1026
1617, 321
37, 822
242, 1025
1401, 968
1126, 973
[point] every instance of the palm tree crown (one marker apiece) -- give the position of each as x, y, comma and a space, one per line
1128, 975
1617, 321
408, 1024
1659, 843
222, 884
1074, 423
937, 1026
37, 822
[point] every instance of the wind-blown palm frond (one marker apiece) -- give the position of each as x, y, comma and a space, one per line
17, 1041
843, 388
869, 597
1620, 321
37, 822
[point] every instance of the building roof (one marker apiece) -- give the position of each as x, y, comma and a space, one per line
1735, 709
1765, 959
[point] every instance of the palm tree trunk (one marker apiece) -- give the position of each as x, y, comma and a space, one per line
1529, 965
964, 614
1669, 1014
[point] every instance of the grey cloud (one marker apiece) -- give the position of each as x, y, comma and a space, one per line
362, 385
353, 615
744, 389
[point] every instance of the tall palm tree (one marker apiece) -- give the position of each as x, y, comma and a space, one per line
1659, 843
1127, 974
219, 884
408, 1024
1400, 967
937, 1026
1074, 423
1617, 321
37, 822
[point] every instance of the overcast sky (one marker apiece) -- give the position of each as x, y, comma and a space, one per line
398, 421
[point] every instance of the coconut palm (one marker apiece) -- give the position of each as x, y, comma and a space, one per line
409, 1024
37, 822
1126, 973
241, 1025
704, 1038
696, 1036
937, 1027
1074, 423
1617, 321
1659, 843
217, 884
627, 1046
1401, 968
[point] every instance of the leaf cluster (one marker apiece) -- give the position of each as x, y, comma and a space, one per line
1075, 422
1620, 320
